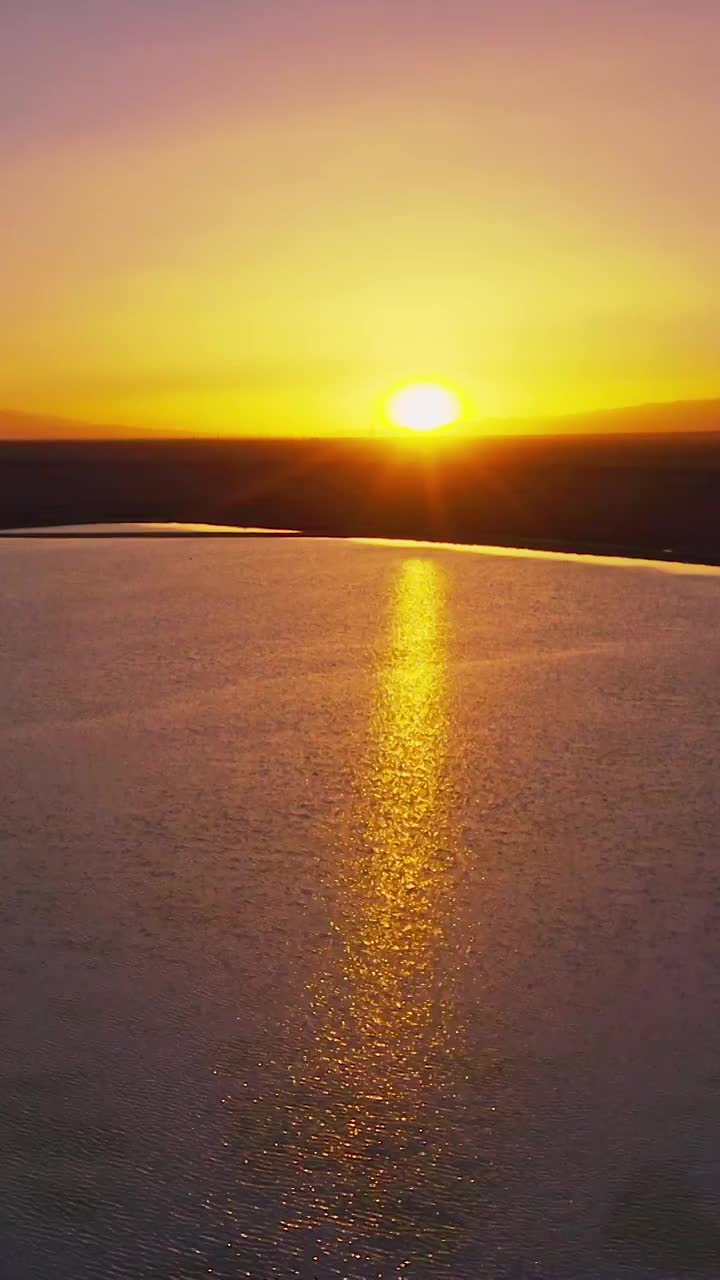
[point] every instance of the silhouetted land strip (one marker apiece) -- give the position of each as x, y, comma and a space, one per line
655, 496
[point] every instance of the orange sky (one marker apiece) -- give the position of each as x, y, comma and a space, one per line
264, 217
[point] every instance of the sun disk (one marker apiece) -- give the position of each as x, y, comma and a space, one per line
423, 406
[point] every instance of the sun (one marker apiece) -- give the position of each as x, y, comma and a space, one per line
423, 406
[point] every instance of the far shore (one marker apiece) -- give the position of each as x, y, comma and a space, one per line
643, 497
156, 530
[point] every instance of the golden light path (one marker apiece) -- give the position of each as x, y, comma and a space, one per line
370, 1129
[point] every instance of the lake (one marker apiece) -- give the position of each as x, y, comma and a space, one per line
359, 913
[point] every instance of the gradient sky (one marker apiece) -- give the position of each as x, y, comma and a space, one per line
264, 215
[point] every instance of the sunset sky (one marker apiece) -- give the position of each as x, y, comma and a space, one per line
265, 215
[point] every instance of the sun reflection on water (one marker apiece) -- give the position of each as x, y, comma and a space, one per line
398, 883
371, 1129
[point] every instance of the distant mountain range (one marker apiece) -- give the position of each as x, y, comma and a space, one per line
15, 425
679, 416
663, 418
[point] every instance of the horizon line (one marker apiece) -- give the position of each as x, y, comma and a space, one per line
495, 427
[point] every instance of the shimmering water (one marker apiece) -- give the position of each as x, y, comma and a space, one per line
358, 914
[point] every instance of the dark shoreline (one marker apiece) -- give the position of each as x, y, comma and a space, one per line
641, 497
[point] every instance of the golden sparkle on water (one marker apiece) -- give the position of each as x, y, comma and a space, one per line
383, 1009
423, 406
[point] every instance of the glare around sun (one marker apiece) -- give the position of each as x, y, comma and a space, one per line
423, 406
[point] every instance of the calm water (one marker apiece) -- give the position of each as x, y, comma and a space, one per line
359, 914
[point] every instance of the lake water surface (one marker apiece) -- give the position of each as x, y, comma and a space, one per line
359, 913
